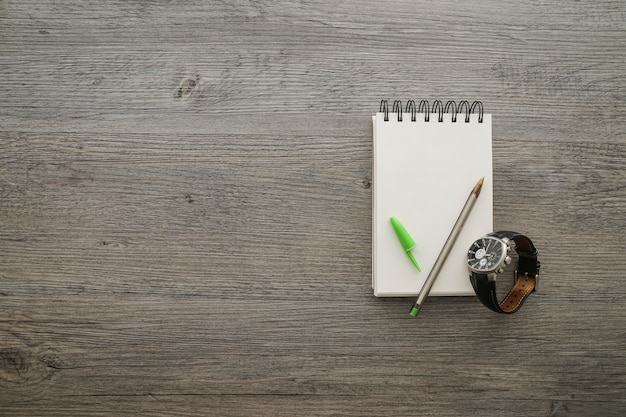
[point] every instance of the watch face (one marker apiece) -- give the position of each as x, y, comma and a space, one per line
486, 254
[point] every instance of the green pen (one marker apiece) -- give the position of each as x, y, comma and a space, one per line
407, 242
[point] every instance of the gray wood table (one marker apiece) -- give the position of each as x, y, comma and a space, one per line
185, 208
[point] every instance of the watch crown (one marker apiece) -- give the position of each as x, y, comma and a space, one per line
499, 270
507, 260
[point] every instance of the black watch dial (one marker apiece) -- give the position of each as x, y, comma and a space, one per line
486, 254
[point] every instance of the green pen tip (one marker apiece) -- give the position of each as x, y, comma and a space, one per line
414, 261
414, 312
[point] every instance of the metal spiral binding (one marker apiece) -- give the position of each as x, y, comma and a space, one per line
438, 108
410, 106
397, 108
462, 104
424, 107
451, 104
384, 109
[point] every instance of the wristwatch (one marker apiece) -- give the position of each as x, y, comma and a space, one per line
488, 256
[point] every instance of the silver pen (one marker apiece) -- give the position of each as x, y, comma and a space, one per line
454, 233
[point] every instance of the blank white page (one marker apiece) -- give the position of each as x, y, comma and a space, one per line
423, 173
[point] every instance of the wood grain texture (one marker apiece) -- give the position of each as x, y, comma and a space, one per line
185, 208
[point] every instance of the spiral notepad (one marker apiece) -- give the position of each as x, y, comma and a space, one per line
426, 160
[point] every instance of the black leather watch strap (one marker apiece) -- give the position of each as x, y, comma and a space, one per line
527, 274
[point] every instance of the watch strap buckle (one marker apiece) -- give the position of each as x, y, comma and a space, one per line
526, 277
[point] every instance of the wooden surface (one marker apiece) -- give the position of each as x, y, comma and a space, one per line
185, 210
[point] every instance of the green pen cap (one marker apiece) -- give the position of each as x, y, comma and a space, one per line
407, 242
